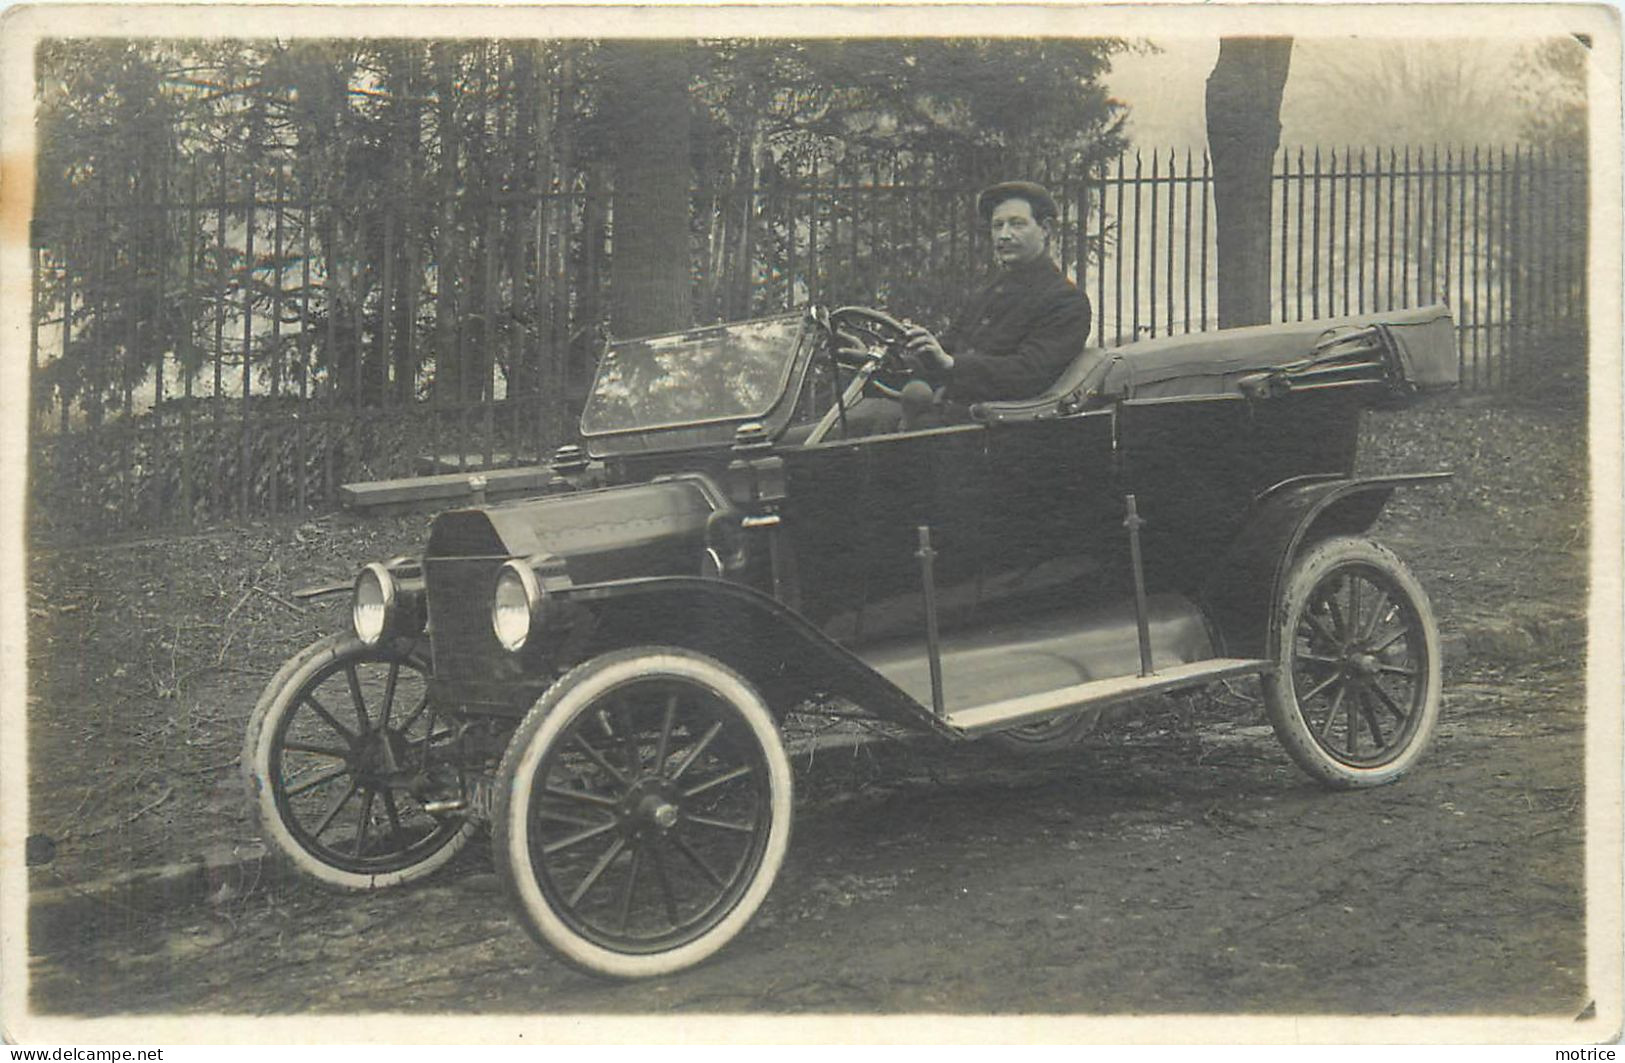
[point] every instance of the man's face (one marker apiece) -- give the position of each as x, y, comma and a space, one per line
1017, 236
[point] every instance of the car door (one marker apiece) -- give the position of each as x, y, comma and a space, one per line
1050, 495
853, 516
1195, 465
1191, 464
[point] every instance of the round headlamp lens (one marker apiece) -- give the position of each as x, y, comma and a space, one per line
370, 608
513, 605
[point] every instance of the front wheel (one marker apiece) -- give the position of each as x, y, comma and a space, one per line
643, 812
1356, 692
342, 755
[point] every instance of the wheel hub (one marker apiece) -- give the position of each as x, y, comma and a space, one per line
662, 814
649, 804
379, 755
1362, 664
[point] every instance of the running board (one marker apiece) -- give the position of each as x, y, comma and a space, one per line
1012, 712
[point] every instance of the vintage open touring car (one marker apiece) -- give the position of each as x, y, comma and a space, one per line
598, 671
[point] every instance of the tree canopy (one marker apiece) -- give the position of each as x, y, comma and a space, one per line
371, 203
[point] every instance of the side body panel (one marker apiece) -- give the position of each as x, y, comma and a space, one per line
1010, 509
1196, 465
1023, 508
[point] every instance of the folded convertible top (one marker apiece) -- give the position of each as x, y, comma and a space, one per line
1388, 355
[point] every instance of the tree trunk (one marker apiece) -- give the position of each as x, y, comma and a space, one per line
1243, 132
646, 104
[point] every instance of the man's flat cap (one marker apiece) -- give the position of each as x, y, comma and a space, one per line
1037, 196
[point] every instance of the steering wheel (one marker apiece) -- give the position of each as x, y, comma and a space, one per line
882, 337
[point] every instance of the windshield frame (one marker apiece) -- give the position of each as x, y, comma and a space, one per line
707, 431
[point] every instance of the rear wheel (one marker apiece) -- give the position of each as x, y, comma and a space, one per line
1356, 693
1049, 735
343, 751
643, 812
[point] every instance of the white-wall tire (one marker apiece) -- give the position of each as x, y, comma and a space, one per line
1356, 692
391, 839
599, 770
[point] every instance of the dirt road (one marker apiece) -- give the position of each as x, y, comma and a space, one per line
1170, 865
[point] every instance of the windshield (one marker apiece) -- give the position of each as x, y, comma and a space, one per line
715, 374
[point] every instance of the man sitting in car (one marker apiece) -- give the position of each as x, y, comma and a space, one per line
1017, 333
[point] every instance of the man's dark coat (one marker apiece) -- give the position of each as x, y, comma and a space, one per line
1016, 336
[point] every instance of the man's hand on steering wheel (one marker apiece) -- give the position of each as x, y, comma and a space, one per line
926, 350
863, 335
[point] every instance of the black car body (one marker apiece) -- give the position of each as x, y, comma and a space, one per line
716, 553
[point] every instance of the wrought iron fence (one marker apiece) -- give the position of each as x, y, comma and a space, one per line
1498, 234
220, 349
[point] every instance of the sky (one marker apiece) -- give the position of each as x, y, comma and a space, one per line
1339, 91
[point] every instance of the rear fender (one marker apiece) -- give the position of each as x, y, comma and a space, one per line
1246, 585
786, 657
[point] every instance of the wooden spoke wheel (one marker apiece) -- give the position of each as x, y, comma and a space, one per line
1048, 735
643, 811
343, 752
1357, 690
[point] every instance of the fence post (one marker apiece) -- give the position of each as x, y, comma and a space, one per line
1504, 261
1151, 273
300, 453
1117, 293
330, 422
1285, 178
1483, 214
1207, 198
1405, 255
488, 357
1314, 243
1190, 189
1095, 176
1134, 330
159, 342
1331, 234
275, 431
1169, 278
247, 469
1297, 273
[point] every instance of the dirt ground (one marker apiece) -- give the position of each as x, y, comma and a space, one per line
1178, 862
1164, 868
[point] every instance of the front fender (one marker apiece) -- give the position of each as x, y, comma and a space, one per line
1246, 584
776, 648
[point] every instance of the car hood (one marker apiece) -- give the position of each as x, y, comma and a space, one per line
647, 529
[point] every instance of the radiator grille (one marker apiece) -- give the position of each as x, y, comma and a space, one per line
462, 642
